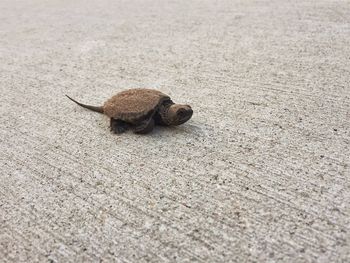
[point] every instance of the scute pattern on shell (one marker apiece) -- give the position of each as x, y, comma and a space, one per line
133, 104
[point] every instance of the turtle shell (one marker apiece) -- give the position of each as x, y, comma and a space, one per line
134, 104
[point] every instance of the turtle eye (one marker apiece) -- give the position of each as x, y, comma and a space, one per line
181, 113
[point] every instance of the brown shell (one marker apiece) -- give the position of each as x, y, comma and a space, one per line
133, 104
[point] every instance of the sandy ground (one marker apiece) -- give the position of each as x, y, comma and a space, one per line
260, 173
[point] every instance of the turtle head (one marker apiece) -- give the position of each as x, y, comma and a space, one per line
178, 114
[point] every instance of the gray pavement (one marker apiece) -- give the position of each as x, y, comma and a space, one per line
260, 174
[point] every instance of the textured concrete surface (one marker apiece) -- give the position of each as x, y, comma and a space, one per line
260, 174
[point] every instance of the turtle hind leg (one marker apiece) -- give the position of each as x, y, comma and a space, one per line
144, 127
118, 126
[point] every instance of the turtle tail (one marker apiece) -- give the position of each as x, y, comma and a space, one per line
93, 108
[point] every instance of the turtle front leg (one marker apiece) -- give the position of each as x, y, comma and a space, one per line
118, 126
144, 127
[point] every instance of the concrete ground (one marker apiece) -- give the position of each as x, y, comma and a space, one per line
260, 174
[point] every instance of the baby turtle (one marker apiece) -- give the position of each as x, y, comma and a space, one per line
140, 110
